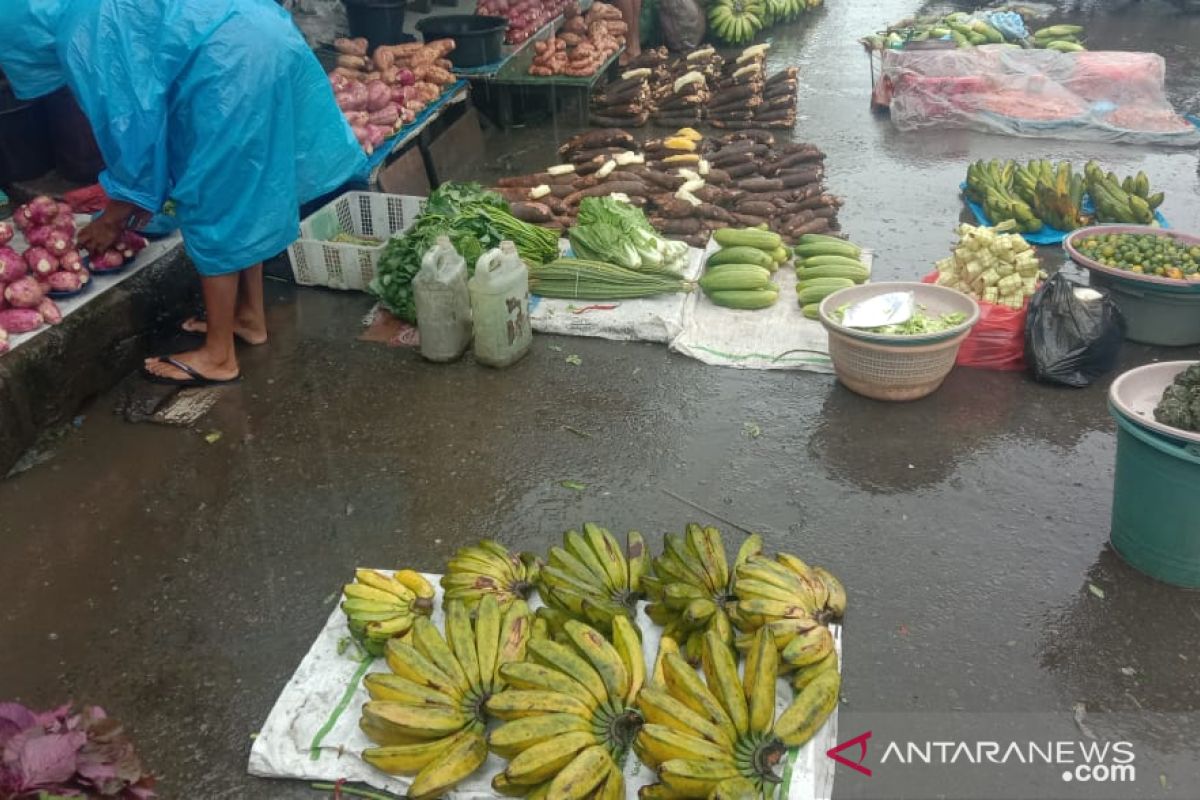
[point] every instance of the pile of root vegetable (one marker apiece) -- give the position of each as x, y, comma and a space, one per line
687, 184
584, 44
733, 93
383, 92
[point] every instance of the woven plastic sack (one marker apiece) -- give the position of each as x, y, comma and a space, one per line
997, 341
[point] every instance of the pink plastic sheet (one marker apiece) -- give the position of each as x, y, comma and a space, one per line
1090, 95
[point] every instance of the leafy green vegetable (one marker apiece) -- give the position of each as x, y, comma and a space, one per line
474, 220
615, 232
918, 324
1180, 403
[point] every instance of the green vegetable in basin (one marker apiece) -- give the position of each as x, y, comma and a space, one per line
1180, 404
919, 324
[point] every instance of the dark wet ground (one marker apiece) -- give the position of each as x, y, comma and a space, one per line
178, 582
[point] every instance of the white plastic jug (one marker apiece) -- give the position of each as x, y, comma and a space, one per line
443, 303
500, 306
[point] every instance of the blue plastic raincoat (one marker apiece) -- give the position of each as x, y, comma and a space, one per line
217, 105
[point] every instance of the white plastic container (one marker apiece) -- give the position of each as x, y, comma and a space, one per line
500, 307
443, 303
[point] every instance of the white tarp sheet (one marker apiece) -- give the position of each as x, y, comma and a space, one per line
647, 319
312, 732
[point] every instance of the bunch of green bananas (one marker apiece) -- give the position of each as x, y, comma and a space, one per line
792, 602
489, 568
691, 590
569, 714
718, 737
1053, 191
428, 715
1063, 38
1121, 201
991, 185
379, 607
737, 21
591, 578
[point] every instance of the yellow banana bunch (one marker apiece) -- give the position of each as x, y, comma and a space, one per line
792, 601
691, 591
379, 607
591, 578
489, 568
428, 715
718, 738
569, 714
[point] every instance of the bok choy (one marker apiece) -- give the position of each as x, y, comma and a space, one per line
617, 233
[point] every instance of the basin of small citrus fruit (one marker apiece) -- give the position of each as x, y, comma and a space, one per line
1138, 252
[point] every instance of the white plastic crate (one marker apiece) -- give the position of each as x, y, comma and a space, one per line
319, 261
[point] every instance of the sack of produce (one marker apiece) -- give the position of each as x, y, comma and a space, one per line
683, 24
1072, 334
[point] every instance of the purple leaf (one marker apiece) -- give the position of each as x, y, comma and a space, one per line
14, 718
48, 759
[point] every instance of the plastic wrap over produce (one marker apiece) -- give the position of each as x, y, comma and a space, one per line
1088, 95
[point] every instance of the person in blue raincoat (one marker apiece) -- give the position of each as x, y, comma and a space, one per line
218, 106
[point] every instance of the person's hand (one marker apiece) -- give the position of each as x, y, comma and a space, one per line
102, 233
99, 235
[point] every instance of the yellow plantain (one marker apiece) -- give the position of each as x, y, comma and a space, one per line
386, 736
384, 583
613, 787
720, 671
408, 759
836, 603
751, 546
796, 565
685, 685
361, 591
487, 639
808, 647
513, 737
567, 661
422, 722
608, 553
415, 582
533, 676
806, 675
716, 546
661, 708
697, 543
577, 546
429, 642
451, 766
760, 682
637, 557
658, 744
540, 762
809, 710
739, 788
628, 645
586, 771
461, 639
517, 703
406, 661
666, 645
502, 785
602, 656
694, 777
515, 629
386, 686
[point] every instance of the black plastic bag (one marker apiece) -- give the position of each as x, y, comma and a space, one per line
1069, 339
683, 24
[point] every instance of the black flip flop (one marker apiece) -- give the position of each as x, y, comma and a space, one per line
194, 379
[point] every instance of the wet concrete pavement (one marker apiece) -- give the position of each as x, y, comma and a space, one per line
178, 582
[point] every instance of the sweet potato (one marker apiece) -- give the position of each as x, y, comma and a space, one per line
631, 188
49, 311
531, 212
23, 293
684, 226
12, 266
64, 282
20, 320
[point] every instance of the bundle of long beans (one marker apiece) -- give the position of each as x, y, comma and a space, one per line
579, 279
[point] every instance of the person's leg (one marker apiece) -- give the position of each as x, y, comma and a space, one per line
633, 46
216, 359
250, 318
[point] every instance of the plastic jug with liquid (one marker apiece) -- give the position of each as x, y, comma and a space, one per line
443, 303
500, 306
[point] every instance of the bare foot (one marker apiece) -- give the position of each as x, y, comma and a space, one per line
247, 331
199, 360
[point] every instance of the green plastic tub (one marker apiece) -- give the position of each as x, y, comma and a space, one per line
1161, 315
1156, 505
